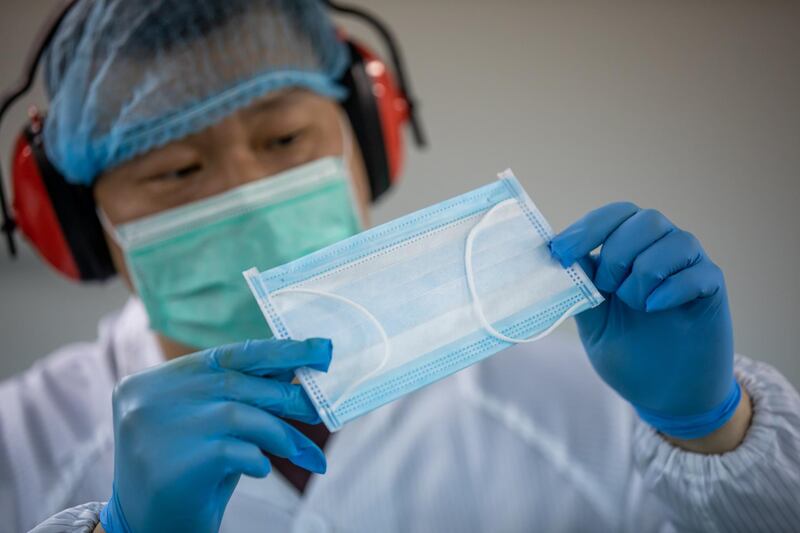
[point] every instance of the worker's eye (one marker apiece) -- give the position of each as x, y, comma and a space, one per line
180, 173
284, 141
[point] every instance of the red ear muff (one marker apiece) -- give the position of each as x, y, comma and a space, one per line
56, 217
392, 108
34, 212
378, 111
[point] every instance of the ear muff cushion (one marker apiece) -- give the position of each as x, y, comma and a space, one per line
74, 210
362, 110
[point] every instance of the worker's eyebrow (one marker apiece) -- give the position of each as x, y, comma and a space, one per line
275, 101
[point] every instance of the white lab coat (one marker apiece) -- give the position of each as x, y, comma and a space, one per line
530, 439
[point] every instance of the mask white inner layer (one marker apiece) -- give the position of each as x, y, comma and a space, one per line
375, 356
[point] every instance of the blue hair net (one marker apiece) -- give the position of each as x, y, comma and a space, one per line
128, 76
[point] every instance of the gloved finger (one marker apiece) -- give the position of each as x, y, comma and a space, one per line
579, 239
234, 456
667, 256
589, 265
286, 376
278, 397
269, 433
621, 248
699, 281
269, 356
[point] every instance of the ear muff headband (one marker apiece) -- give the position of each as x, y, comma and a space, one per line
397, 62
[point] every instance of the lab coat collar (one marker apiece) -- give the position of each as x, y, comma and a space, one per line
133, 344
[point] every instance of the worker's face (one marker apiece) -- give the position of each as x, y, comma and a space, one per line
274, 134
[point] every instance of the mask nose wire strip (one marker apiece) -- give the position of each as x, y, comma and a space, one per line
476, 303
363, 310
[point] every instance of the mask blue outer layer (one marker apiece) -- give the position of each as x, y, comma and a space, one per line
445, 360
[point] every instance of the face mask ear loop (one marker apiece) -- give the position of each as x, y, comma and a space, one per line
347, 141
347, 147
476, 303
363, 310
109, 227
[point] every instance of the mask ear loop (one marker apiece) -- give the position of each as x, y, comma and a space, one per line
347, 141
106, 224
363, 310
347, 147
476, 303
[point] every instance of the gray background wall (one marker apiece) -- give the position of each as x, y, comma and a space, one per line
688, 107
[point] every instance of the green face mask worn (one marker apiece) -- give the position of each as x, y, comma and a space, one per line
186, 263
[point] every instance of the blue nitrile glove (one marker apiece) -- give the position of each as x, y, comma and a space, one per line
186, 430
663, 338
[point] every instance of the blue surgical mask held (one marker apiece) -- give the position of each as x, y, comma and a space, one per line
185, 263
417, 299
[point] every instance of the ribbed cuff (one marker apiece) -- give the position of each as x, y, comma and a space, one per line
111, 516
695, 426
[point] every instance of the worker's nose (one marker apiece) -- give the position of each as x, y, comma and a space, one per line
234, 157
240, 164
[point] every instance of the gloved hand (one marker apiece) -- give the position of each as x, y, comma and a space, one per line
186, 430
663, 337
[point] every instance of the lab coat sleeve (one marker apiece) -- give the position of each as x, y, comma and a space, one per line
80, 519
755, 487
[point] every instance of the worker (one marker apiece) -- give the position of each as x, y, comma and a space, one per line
183, 414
